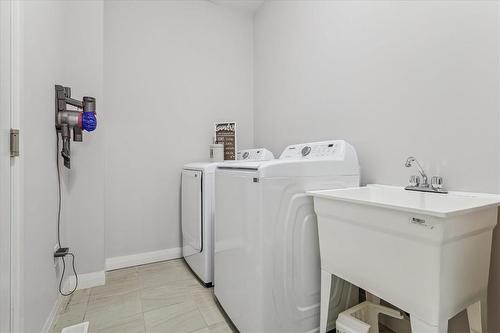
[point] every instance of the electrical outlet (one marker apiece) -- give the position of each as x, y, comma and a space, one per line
61, 252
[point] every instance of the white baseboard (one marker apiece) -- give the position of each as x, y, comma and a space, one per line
87, 280
143, 258
52, 315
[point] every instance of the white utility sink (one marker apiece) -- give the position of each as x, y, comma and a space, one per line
432, 204
427, 253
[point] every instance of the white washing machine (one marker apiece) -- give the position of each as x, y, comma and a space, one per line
197, 202
267, 263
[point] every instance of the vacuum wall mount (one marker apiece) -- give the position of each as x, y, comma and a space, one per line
76, 120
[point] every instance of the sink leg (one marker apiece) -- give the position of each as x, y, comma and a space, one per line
419, 326
477, 316
326, 285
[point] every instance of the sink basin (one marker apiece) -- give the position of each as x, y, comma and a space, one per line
397, 198
426, 253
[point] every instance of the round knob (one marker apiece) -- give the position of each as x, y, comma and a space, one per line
437, 182
414, 180
306, 150
245, 155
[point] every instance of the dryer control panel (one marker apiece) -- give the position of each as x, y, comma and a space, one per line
333, 149
257, 154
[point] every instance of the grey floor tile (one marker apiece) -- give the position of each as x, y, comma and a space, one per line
159, 297
121, 274
157, 316
110, 311
220, 328
132, 324
204, 297
79, 297
203, 330
73, 309
69, 315
211, 314
168, 294
164, 276
115, 287
182, 323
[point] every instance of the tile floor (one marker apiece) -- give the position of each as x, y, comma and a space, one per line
159, 297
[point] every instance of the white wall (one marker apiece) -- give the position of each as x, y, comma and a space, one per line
42, 54
84, 183
171, 69
394, 79
51, 46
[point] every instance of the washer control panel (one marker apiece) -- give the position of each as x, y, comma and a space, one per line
258, 154
323, 149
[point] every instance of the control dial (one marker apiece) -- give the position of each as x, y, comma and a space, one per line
306, 150
245, 155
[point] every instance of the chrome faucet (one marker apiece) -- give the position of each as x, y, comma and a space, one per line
409, 162
436, 185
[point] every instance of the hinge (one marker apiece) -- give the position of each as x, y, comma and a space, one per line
14, 142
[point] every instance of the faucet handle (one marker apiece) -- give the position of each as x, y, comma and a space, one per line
437, 182
414, 180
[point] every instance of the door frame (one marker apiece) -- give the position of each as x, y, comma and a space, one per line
10, 46
5, 168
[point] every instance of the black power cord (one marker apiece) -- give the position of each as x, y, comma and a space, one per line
62, 251
62, 275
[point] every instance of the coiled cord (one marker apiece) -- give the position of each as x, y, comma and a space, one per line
62, 275
59, 227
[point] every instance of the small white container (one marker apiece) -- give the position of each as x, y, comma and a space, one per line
217, 152
363, 318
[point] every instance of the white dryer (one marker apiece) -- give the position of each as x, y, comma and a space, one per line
197, 205
267, 263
